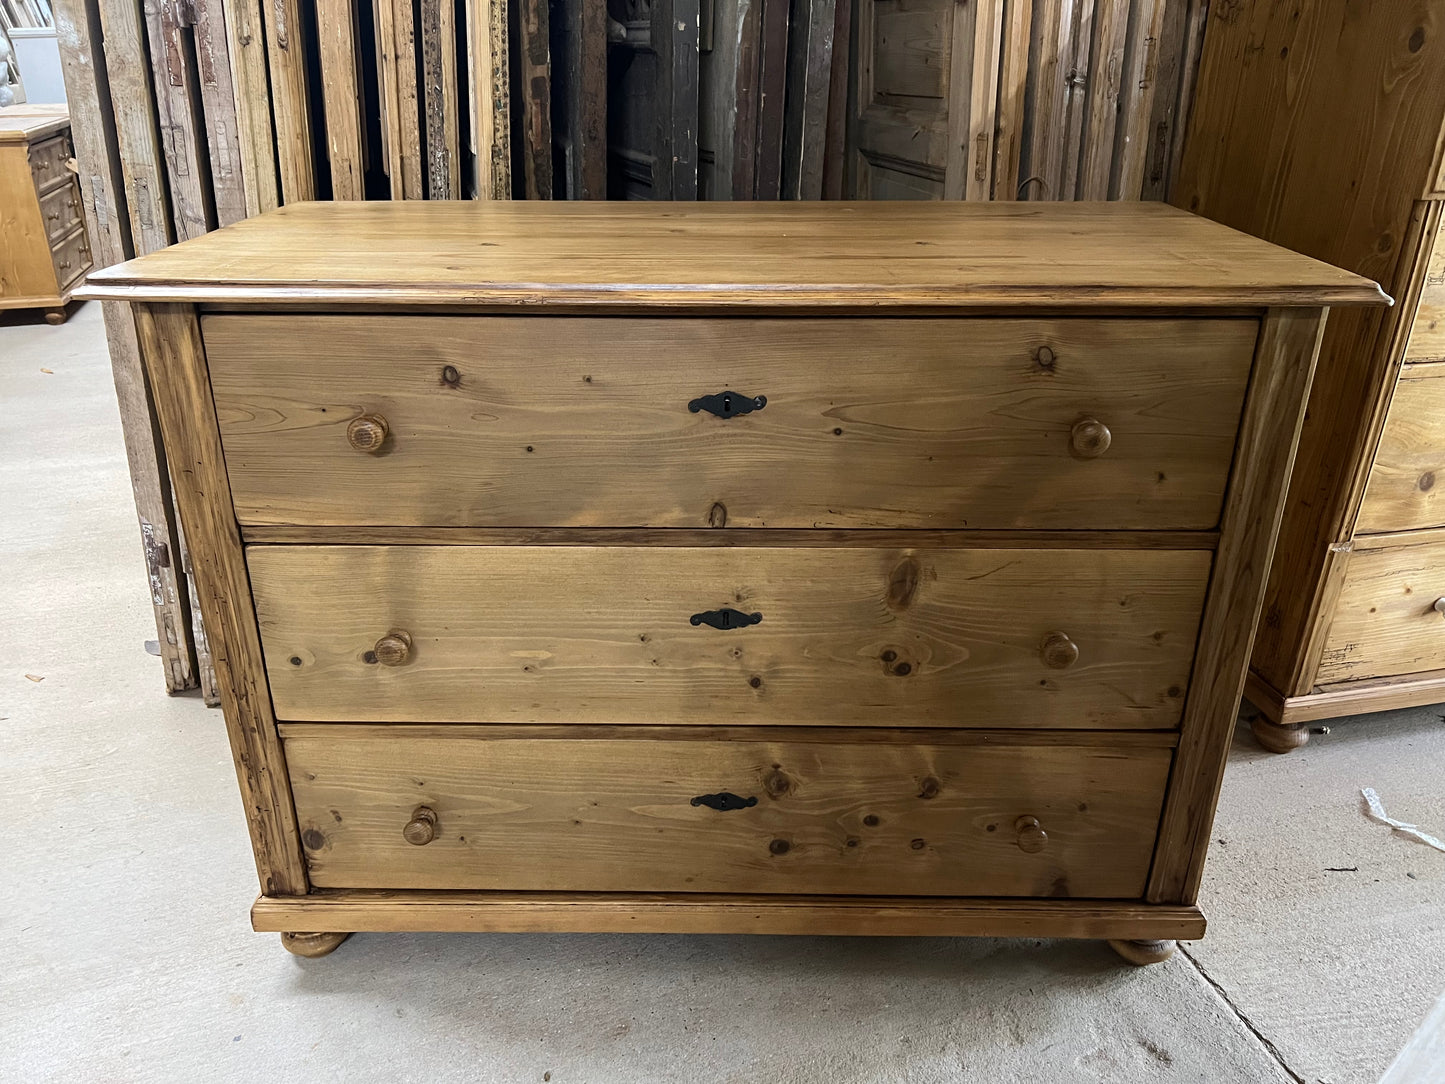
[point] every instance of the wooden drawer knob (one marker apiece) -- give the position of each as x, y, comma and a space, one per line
394, 648
1090, 438
1440, 606
1031, 837
422, 828
367, 433
1058, 651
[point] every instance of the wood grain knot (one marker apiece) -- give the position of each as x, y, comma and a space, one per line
929, 788
780, 846
903, 584
1427, 481
778, 784
367, 433
422, 828
1044, 358
717, 515
1031, 837
894, 665
394, 648
1090, 438
451, 378
1058, 651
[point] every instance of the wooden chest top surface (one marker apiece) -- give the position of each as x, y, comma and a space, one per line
733, 255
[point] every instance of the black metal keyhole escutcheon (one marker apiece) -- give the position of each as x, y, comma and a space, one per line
725, 619
728, 404
724, 801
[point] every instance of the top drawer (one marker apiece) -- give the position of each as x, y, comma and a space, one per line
568, 421
49, 162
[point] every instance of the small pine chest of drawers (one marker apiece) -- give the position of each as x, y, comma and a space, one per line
791, 568
44, 248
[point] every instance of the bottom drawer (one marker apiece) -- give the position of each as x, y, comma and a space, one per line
1390, 616
683, 810
72, 258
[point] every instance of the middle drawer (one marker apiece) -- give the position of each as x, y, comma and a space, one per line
709, 635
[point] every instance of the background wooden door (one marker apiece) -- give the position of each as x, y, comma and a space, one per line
652, 116
925, 81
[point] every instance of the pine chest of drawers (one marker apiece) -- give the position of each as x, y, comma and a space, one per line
44, 249
792, 568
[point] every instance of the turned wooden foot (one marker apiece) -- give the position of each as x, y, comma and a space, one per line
312, 944
1140, 953
1276, 738
55, 317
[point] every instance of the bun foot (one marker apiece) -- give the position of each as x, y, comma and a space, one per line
1276, 738
312, 945
55, 317
1140, 953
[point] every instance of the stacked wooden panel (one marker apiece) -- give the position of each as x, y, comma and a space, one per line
1021, 99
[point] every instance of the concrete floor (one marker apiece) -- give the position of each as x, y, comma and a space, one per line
127, 877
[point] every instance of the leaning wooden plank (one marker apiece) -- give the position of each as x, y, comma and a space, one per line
489, 90
1013, 87
181, 122
396, 40
772, 90
983, 102
205, 664
247, 48
439, 94
958, 142
176, 362
341, 97
1111, 29
92, 130
218, 106
745, 100
77, 26
1052, 27
534, 66
137, 139
717, 98
681, 108
584, 88
1194, 24
388, 104
286, 52
1076, 102
805, 114
1136, 99
451, 108
835, 143
1168, 69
